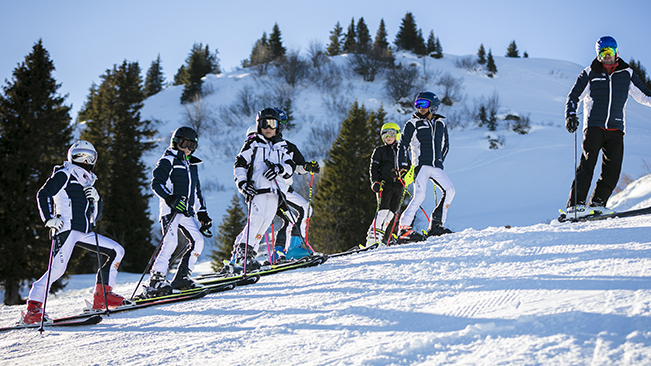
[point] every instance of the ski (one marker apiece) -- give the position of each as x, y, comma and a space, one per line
630, 213
60, 322
265, 270
353, 250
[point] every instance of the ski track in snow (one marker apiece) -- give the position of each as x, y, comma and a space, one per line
537, 295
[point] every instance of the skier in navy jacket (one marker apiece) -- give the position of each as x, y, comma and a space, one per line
603, 87
426, 137
176, 182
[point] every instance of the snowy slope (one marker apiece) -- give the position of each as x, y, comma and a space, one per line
545, 294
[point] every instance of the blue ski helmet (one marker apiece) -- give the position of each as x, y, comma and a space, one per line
283, 120
427, 100
606, 42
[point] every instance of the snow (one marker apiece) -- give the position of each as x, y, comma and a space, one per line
511, 286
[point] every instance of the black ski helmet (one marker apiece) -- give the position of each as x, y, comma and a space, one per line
434, 101
264, 115
185, 137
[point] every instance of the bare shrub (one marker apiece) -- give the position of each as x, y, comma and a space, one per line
322, 136
402, 84
371, 64
467, 63
293, 68
316, 53
452, 88
199, 115
521, 125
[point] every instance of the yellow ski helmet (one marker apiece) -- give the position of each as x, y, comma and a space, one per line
390, 126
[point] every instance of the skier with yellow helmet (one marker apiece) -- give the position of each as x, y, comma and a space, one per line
386, 181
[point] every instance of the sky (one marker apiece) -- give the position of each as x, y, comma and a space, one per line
85, 38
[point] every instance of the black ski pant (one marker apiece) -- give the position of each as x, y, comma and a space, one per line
611, 143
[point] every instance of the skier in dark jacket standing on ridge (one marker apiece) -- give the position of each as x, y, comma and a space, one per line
603, 87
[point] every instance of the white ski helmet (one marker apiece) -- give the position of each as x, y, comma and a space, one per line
251, 131
82, 152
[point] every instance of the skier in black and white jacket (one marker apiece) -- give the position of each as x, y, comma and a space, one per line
175, 180
425, 136
69, 204
260, 170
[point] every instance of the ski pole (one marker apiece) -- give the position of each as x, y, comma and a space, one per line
99, 262
575, 178
290, 216
412, 196
269, 251
397, 215
248, 230
167, 228
309, 203
53, 233
377, 209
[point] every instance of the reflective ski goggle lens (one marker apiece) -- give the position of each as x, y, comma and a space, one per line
84, 156
422, 103
187, 144
389, 133
268, 123
608, 51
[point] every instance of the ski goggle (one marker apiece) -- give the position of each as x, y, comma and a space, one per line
389, 133
421, 103
84, 156
187, 144
268, 123
608, 51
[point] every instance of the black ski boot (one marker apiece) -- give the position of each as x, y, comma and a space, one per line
183, 280
438, 230
252, 264
158, 286
408, 235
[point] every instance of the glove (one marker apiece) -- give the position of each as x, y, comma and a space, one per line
376, 186
312, 166
204, 219
178, 204
572, 123
395, 173
273, 171
246, 188
91, 193
54, 223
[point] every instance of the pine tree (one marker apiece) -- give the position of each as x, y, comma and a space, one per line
492, 68
344, 205
181, 77
231, 226
260, 54
512, 50
364, 43
407, 38
276, 43
525, 54
115, 129
381, 42
198, 64
334, 48
640, 71
481, 54
155, 79
438, 50
431, 43
35, 134
420, 48
350, 39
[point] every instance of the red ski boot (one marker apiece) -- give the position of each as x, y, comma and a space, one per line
34, 313
114, 300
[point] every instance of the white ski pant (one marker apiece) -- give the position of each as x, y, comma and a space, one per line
64, 244
380, 223
190, 229
262, 210
438, 176
298, 211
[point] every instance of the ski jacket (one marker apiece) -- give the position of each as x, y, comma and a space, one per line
385, 159
256, 156
63, 196
177, 175
604, 96
426, 140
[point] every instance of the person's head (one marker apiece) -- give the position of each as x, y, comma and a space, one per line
185, 139
83, 154
267, 122
606, 48
251, 131
390, 133
427, 103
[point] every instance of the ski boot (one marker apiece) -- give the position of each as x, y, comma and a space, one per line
158, 286
252, 263
598, 205
437, 230
408, 235
34, 313
114, 300
183, 280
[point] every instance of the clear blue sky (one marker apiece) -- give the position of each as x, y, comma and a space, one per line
85, 38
